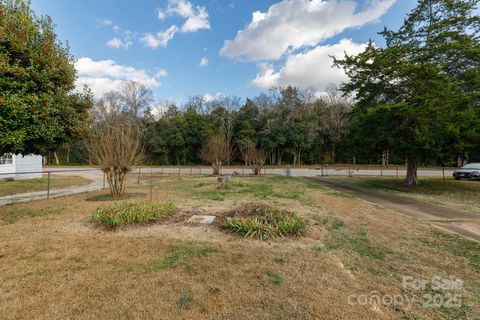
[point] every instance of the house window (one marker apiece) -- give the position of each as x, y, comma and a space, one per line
6, 159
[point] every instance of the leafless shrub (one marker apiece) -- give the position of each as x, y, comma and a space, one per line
115, 146
216, 151
254, 157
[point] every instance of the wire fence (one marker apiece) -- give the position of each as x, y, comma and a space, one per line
55, 182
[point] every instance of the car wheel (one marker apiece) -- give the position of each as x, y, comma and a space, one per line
457, 178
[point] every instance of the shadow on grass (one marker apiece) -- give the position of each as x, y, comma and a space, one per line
109, 197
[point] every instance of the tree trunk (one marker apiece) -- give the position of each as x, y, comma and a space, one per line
412, 167
57, 162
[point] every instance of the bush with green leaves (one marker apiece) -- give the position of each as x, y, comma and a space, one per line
121, 213
264, 222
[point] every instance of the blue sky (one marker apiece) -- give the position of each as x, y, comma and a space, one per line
178, 48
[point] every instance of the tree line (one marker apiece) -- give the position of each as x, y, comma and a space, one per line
290, 125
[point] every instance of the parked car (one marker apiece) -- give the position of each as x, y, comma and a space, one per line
469, 171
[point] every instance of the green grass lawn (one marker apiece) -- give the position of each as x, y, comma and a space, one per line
21, 186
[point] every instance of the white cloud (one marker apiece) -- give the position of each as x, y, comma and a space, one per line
118, 43
161, 73
203, 62
122, 40
160, 39
212, 97
104, 22
309, 69
295, 24
197, 16
196, 19
103, 76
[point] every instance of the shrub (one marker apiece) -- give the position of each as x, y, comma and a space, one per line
121, 213
263, 222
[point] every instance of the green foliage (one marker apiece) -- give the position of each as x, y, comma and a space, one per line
182, 254
275, 278
265, 222
38, 110
337, 224
120, 214
419, 97
184, 301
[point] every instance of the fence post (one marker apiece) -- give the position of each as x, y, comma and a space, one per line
179, 171
103, 181
200, 170
396, 172
139, 172
161, 174
381, 172
191, 171
48, 186
151, 184
443, 173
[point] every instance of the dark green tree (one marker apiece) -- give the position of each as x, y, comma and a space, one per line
38, 107
417, 90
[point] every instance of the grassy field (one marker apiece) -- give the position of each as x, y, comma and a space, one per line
57, 264
31, 185
462, 194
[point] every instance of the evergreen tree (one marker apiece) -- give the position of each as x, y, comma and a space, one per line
421, 91
39, 110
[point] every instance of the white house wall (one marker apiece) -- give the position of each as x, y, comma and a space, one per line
28, 164
7, 168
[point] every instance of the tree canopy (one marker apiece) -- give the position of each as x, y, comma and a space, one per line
39, 109
419, 95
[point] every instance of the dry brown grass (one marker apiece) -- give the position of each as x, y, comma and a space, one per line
30, 185
57, 266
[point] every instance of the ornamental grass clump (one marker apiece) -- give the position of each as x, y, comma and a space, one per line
121, 214
265, 222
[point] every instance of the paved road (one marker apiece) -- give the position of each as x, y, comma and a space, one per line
464, 223
95, 175
296, 172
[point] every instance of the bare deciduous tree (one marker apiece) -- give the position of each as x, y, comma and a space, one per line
115, 146
136, 98
254, 157
216, 151
335, 117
